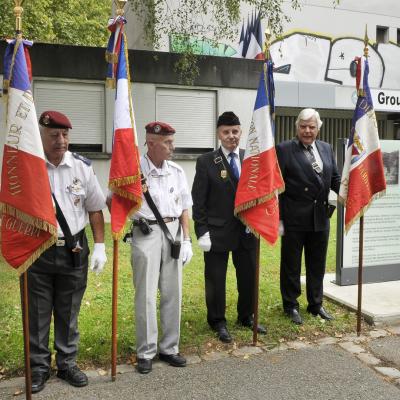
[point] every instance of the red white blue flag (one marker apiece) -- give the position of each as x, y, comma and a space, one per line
124, 178
28, 221
363, 177
256, 202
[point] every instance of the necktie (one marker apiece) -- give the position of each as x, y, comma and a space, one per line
233, 165
313, 160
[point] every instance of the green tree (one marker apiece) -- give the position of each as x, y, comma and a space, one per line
62, 21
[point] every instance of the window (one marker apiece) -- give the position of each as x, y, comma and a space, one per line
192, 113
382, 34
83, 103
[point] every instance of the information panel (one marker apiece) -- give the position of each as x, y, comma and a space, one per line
381, 258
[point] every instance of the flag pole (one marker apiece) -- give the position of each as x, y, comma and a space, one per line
257, 275
120, 4
18, 10
361, 234
114, 312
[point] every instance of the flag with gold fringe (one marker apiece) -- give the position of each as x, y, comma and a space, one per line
124, 178
363, 178
28, 221
256, 202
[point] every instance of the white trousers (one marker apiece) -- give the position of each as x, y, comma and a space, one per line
153, 267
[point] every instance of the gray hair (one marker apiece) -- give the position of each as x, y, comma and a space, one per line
306, 114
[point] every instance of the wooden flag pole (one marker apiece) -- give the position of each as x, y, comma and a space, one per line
256, 292
120, 4
23, 281
25, 325
360, 274
114, 312
361, 235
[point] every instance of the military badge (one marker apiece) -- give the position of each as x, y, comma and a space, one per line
224, 174
46, 120
157, 129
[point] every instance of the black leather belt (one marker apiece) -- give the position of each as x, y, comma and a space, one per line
62, 242
153, 222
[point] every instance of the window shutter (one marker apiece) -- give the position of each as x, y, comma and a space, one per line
191, 112
83, 103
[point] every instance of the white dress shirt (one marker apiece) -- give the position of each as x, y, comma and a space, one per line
228, 157
168, 188
77, 190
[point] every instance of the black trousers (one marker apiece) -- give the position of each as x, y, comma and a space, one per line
55, 287
216, 264
315, 245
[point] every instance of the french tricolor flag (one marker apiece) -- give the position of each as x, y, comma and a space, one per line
124, 178
256, 202
28, 221
363, 177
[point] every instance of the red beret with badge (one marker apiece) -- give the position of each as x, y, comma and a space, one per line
54, 119
159, 128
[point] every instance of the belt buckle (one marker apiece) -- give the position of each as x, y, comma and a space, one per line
60, 242
77, 248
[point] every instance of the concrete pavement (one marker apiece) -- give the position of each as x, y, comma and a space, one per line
346, 368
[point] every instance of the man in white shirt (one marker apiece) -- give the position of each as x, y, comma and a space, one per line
57, 280
154, 264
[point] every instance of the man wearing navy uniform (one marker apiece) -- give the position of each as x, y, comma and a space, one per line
57, 280
219, 232
154, 266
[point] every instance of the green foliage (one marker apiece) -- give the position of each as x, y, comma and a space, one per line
196, 337
63, 22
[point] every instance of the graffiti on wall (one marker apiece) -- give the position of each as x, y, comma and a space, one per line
314, 58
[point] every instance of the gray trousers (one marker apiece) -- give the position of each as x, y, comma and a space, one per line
56, 288
154, 268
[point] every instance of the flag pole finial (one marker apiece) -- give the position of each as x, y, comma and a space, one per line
366, 41
18, 10
120, 6
267, 43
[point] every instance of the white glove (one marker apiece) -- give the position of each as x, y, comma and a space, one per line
99, 258
281, 229
187, 252
205, 242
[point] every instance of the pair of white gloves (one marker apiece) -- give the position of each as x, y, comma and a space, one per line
204, 241
99, 258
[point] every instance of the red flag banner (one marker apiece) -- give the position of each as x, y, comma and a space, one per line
124, 178
363, 177
256, 202
28, 221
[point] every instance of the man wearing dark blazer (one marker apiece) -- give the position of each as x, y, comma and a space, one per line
309, 170
220, 232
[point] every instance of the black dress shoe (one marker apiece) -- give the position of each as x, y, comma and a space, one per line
39, 379
176, 360
144, 365
74, 376
249, 323
322, 313
294, 315
223, 334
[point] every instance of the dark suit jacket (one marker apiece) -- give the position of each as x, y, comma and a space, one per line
213, 204
303, 204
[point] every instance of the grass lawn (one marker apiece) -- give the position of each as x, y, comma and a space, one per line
196, 337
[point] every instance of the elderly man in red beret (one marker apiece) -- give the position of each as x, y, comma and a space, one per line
57, 280
157, 229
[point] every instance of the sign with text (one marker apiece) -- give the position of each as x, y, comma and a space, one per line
381, 256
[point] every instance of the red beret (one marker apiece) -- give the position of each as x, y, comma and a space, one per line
54, 119
159, 128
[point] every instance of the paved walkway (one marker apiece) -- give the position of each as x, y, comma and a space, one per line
345, 368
